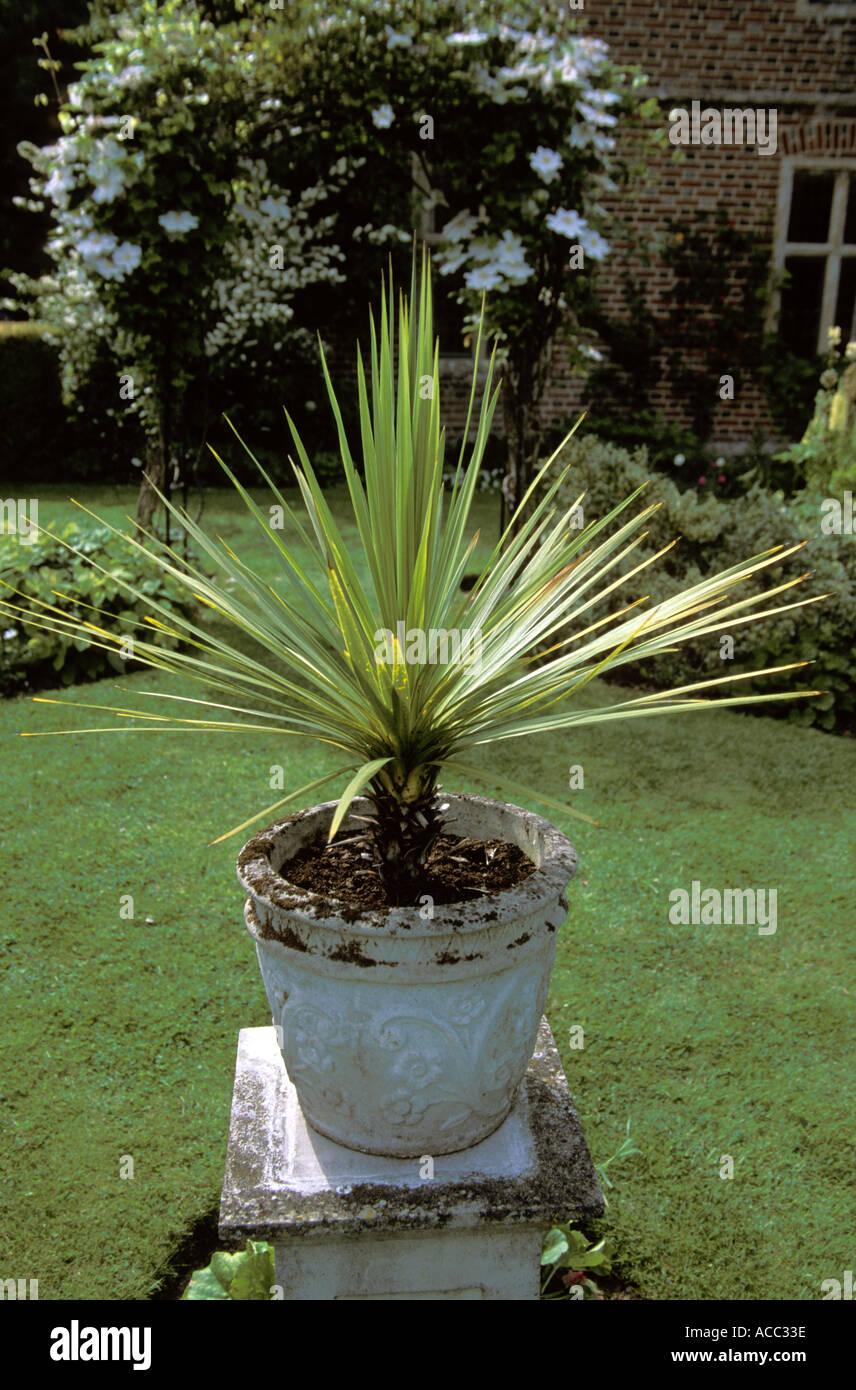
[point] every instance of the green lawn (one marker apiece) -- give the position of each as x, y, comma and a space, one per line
119, 1036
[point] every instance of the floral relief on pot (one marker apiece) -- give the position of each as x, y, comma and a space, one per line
431, 1068
405, 1037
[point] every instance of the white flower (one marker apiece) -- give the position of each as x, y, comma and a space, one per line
127, 257
384, 233
679, 459
481, 249
593, 244
850, 352
834, 336
516, 271
108, 187
106, 268
275, 207
383, 116
130, 76
452, 261
58, 186
467, 36
509, 74
594, 116
95, 245
461, 226
546, 163
510, 244
510, 259
394, 40
566, 223
484, 277
179, 222
10, 633
596, 94
106, 153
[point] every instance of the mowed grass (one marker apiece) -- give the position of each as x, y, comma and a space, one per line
118, 1036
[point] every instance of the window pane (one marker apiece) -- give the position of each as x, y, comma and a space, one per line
799, 323
850, 224
811, 205
846, 299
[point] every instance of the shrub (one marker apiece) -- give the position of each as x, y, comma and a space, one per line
715, 534
827, 450
664, 441
246, 1275
46, 572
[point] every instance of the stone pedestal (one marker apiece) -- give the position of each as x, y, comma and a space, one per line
347, 1225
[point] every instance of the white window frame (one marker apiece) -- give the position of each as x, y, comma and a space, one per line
832, 250
833, 9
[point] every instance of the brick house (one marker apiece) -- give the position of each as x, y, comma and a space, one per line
794, 58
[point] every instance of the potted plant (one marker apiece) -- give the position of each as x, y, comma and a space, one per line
406, 935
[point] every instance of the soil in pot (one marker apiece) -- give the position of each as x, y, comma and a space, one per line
457, 870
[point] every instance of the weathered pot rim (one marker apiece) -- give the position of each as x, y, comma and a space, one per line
548, 882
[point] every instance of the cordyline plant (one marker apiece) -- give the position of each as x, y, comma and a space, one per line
400, 722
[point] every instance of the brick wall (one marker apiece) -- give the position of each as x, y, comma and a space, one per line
722, 48
748, 184
781, 53
787, 54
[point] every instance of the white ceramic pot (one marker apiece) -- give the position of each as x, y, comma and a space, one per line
407, 1034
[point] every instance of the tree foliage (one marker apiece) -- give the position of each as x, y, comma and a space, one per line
178, 238
216, 162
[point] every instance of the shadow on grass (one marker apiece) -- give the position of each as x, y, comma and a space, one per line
193, 1252
201, 1241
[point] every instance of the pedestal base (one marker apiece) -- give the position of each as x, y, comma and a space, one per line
347, 1225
